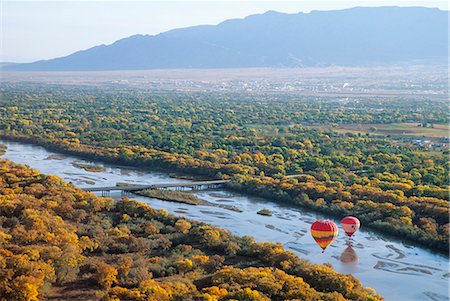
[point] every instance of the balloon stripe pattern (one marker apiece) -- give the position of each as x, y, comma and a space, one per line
350, 224
324, 233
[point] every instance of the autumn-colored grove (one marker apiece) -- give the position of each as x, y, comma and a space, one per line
255, 140
59, 241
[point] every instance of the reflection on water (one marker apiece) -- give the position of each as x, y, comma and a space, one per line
349, 255
396, 270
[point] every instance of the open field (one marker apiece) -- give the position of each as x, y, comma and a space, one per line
394, 129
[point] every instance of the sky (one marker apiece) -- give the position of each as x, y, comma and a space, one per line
35, 30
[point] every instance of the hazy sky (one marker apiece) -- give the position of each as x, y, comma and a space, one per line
33, 30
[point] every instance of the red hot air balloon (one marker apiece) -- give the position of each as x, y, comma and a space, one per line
324, 233
350, 224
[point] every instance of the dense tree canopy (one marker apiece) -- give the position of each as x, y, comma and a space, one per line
255, 140
59, 241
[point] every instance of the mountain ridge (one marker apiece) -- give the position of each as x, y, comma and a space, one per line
355, 36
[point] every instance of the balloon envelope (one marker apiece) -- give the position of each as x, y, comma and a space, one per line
350, 224
324, 233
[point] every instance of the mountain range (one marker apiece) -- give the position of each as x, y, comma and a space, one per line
356, 36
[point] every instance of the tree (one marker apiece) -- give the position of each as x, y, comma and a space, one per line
106, 274
182, 225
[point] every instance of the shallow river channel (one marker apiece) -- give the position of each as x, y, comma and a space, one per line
395, 269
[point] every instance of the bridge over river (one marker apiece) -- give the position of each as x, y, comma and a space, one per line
197, 185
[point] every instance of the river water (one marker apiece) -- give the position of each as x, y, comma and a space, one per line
395, 269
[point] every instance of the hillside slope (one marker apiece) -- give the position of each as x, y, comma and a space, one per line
357, 36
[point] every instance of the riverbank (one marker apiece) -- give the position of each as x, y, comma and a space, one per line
108, 261
384, 262
403, 234
406, 233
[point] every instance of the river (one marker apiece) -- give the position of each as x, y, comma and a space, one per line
395, 269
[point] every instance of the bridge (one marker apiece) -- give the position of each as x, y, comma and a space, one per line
197, 185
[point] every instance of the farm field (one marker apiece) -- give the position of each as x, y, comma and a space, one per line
406, 129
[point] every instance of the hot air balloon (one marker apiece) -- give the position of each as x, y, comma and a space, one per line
350, 224
324, 233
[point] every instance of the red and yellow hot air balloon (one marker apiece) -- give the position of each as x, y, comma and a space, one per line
324, 233
350, 224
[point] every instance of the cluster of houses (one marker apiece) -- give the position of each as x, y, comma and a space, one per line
441, 143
